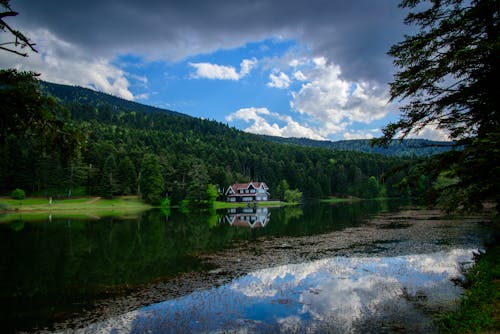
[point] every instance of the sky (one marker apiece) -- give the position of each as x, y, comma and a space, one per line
316, 69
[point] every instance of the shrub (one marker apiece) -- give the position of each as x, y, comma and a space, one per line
18, 194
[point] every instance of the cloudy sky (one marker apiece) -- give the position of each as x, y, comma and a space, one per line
291, 68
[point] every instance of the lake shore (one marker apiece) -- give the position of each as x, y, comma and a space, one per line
84, 207
479, 308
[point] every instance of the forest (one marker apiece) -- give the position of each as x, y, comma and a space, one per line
129, 148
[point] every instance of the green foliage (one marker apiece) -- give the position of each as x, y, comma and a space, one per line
198, 183
447, 78
372, 188
126, 177
165, 203
478, 310
18, 194
212, 193
109, 173
281, 189
292, 196
151, 180
29, 116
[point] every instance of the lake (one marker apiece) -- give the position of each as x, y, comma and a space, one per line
367, 266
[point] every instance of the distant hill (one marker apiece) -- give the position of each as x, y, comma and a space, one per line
85, 96
404, 148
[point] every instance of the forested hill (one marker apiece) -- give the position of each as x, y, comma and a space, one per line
76, 94
129, 146
406, 147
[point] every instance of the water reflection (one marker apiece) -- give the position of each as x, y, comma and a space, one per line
250, 216
339, 295
56, 269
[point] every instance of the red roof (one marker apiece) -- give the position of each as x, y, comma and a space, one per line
256, 185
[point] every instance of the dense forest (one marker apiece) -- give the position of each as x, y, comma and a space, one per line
130, 148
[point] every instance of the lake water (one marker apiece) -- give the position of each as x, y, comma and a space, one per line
361, 267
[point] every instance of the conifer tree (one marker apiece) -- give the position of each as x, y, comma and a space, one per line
448, 73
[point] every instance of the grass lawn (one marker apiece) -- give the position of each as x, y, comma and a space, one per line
36, 208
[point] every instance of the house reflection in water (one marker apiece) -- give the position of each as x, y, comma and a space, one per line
253, 217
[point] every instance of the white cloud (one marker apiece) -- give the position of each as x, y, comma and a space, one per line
361, 134
262, 123
431, 132
143, 96
298, 75
247, 65
65, 63
280, 81
335, 103
222, 72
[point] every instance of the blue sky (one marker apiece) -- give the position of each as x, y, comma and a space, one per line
315, 69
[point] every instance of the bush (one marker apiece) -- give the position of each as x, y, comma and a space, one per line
293, 196
18, 194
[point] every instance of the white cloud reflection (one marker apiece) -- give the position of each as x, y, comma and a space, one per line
341, 294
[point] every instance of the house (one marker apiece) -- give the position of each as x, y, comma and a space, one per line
247, 192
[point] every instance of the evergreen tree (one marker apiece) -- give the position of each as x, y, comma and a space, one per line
126, 177
109, 177
28, 115
448, 78
151, 180
371, 188
199, 181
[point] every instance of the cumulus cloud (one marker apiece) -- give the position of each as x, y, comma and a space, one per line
264, 122
334, 102
431, 132
62, 62
222, 72
361, 134
279, 80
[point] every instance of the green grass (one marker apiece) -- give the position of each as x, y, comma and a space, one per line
478, 311
35, 208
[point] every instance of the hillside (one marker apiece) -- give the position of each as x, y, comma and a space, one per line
124, 141
76, 94
407, 147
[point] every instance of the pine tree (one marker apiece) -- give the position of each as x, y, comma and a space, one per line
448, 78
151, 180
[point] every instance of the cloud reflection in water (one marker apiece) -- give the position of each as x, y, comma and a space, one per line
340, 294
